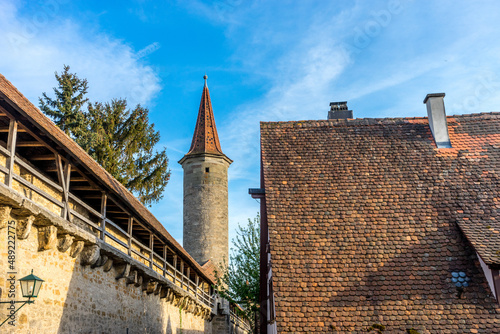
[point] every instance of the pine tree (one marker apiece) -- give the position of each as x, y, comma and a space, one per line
239, 281
119, 139
66, 108
122, 141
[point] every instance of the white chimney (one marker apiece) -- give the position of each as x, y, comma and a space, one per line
437, 119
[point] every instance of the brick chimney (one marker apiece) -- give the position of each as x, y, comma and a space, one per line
437, 119
338, 110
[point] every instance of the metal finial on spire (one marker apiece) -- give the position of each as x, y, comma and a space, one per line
205, 77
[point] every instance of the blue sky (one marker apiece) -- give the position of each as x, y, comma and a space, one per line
266, 61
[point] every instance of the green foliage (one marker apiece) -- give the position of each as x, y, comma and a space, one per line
122, 141
239, 281
119, 139
66, 109
412, 331
378, 328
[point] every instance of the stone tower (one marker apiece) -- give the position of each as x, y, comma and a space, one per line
205, 190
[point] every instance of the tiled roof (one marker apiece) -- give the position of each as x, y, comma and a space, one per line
363, 220
210, 270
205, 138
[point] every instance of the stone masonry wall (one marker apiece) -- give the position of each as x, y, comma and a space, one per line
80, 299
89, 287
206, 208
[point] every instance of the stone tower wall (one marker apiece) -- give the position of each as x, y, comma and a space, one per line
206, 208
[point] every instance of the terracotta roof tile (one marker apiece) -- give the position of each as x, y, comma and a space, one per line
363, 227
210, 270
205, 138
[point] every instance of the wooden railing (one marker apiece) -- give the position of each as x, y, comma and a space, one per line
238, 321
58, 199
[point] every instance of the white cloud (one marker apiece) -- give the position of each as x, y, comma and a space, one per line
36, 45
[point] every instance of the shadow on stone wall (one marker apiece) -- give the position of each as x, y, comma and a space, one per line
97, 302
78, 298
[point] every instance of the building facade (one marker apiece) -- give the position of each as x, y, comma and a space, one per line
371, 224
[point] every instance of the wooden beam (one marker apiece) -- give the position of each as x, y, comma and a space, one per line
115, 202
11, 147
151, 243
175, 268
30, 144
32, 134
54, 169
197, 284
182, 274
4, 112
45, 157
118, 217
164, 260
129, 231
7, 129
104, 200
78, 179
85, 188
64, 175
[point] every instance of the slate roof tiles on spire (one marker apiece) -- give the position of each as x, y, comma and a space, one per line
205, 138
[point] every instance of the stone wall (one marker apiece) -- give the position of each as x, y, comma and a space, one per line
205, 208
89, 287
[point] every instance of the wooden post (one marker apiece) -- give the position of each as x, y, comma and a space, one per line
104, 200
64, 176
182, 274
11, 147
67, 178
188, 278
165, 261
151, 243
129, 231
175, 268
197, 285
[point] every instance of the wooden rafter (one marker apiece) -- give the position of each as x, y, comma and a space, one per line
85, 188
6, 129
78, 179
54, 169
44, 157
33, 143
92, 196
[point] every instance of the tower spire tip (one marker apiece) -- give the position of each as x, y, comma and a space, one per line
205, 77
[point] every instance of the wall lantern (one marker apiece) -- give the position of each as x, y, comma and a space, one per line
30, 286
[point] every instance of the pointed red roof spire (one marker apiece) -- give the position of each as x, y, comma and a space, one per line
205, 138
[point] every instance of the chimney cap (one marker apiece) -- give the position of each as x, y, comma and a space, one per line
339, 110
433, 95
